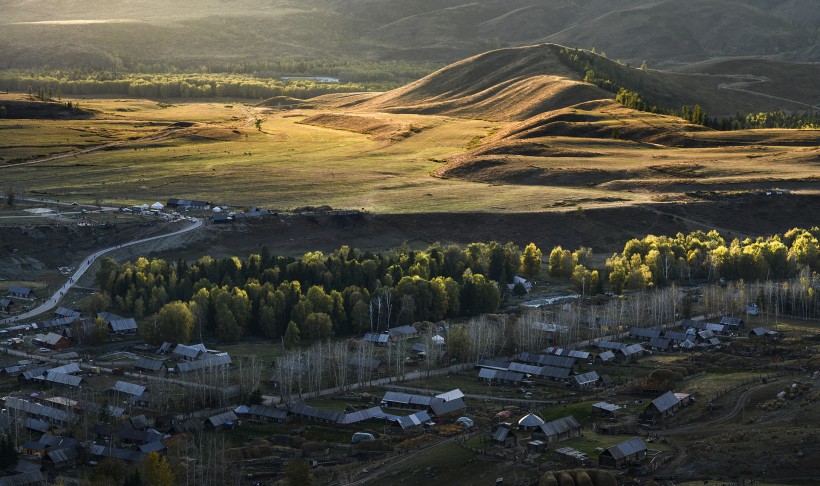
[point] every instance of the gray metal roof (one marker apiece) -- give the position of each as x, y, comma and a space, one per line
267, 411
361, 416
35, 373
64, 312
607, 356
501, 434
24, 479
676, 335
659, 343
209, 362
63, 379
223, 418
123, 325
643, 332
547, 360
665, 401
376, 337
149, 364
609, 407
631, 349
441, 408
495, 365
402, 331
63, 454
731, 321
37, 409
560, 426
188, 351
572, 353
67, 369
624, 449
413, 420
15, 289
583, 379
304, 410
103, 451
129, 388
610, 345
419, 348
408, 399
155, 446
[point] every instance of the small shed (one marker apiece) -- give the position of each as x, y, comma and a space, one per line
6, 305
504, 437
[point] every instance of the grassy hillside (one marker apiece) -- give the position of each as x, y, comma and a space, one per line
518, 83
216, 35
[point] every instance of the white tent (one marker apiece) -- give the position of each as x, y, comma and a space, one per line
437, 339
144, 207
217, 209
157, 205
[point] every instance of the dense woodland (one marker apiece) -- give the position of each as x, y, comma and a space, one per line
349, 292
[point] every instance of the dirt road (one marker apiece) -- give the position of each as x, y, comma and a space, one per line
54, 300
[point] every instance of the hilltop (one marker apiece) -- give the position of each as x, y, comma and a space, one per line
518, 83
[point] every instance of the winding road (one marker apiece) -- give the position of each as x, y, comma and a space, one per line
85, 265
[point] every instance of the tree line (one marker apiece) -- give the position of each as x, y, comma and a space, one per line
346, 292
177, 85
602, 74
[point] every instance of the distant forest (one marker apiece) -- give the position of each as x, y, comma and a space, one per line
349, 292
246, 80
610, 75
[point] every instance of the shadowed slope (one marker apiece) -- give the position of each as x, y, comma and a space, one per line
505, 84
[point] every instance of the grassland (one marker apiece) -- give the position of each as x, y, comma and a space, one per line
142, 154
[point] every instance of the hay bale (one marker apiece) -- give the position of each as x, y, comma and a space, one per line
548, 479
582, 478
565, 479
602, 478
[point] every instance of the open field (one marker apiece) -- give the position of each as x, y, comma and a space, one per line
287, 164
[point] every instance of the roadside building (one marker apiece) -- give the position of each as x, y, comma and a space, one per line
442, 408
21, 292
7, 305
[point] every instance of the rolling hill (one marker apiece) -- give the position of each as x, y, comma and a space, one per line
518, 83
141, 34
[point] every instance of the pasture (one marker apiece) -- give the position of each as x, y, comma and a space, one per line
143, 151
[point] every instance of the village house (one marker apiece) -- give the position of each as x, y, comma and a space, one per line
118, 324
402, 332
623, 454
504, 437
7, 305
21, 292
631, 352
586, 380
561, 429
52, 341
663, 406
644, 334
